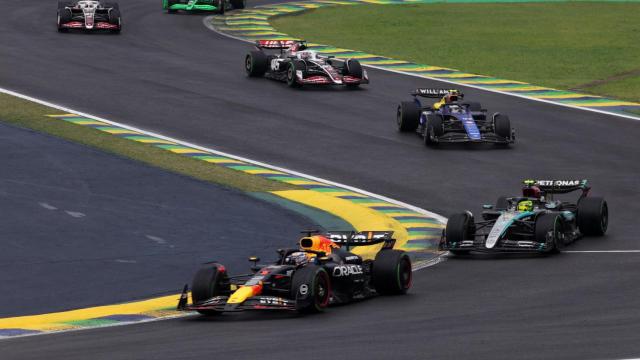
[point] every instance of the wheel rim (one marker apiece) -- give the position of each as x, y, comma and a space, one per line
322, 291
290, 74
604, 222
247, 64
399, 117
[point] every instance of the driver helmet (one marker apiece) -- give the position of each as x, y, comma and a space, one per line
297, 258
525, 205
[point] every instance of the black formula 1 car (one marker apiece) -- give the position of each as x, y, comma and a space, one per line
452, 120
89, 15
297, 66
534, 222
321, 272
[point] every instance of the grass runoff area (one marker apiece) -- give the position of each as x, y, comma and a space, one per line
591, 47
30, 115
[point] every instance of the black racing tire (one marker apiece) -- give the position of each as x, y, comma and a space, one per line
502, 203
256, 63
170, 3
114, 17
353, 68
433, 128
220, 5
292, 68
593, 216
546, 223
502, 126
238, 4
64, 15
311, 289
459, 227
408, 116
473, 106
391, 273
207, 283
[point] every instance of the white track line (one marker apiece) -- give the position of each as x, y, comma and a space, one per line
188, 144
207, 23
602, 251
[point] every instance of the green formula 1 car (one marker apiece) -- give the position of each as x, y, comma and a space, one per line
215, 6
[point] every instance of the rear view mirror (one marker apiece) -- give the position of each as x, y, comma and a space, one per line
254, 259
487, 206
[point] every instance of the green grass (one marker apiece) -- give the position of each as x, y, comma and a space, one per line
26, 114
559, 45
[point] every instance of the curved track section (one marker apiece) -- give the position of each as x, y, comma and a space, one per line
168, 74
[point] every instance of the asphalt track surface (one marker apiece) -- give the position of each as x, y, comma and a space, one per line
81, 228
168, 74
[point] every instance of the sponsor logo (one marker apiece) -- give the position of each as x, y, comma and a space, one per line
558, 182
351, 258
434, 91
273, 301
304, 289
347, 270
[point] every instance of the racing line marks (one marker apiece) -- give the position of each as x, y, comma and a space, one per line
47, 206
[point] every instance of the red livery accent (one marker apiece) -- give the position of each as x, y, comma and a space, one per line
317, 80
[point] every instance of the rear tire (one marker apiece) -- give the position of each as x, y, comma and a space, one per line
593, 216
459, 227
256, 63
292, 69
391, 273
237, 4
311, 289
220, 5
502, 126
433, 128
207, 283
408, 116
546, 223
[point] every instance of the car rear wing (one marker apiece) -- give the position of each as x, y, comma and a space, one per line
362, 238
559, 186
277, 44
435, 93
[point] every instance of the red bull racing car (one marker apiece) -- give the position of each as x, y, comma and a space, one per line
297, 66
89, 15
320, 272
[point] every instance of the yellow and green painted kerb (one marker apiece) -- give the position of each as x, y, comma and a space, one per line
416, 233
253, 24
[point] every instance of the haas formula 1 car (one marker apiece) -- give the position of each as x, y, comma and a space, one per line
89, 15
319, 273
534, 222
297, 66
214, 6
452, 120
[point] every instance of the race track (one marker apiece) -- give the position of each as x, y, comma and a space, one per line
171, 75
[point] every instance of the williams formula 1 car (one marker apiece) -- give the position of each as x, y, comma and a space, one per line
321, 272
452, 120
534, 222
89, 15
215, 6
297, 66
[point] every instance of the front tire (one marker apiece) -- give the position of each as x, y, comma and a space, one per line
433, 128
408, 116
292, 70
219, 4
593, 216
237, 4
311, 289
502, 126
459, 227
391, 273
209, 282
550, 223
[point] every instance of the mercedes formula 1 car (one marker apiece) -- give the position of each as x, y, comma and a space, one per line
297, 66
452, 120
215, 6
89, 15
533, 222
321, 272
